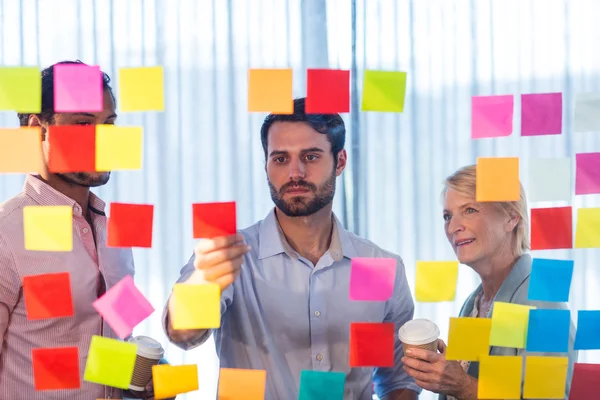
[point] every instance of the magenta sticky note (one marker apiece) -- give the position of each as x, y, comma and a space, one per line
77, 88
541, 114
491, 116
123, 306
587, 175
372, 279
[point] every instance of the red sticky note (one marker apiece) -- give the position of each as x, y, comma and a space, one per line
327, 91
130, 225
551, 228
48, 296
585, 381
587, 176
72, 148
214, 219
56, 368
541, 114
372, 344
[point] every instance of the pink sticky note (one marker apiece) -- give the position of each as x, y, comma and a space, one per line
541, 114
587, 177
372, 279
491, 116
123, 307
77, 88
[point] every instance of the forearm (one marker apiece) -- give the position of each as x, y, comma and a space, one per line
470, 390
184, 336
401, 394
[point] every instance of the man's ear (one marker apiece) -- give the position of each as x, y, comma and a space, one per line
34, 120
342, 159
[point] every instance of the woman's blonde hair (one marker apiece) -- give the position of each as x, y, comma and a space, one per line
464, 182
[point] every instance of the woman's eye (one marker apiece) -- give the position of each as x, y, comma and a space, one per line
470, 210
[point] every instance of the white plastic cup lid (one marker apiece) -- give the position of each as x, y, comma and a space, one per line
418, 332
147, 347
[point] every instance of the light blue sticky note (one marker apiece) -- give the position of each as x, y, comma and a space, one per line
550, 280
317, 385
548, 330
588, 329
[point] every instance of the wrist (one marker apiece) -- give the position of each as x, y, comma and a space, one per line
469, 389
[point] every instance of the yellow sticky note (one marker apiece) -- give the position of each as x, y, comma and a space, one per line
21, 89
509, 325
20, 150
587, 232
270, 90
118, 148
48, 228
500, 377
497, 179
110, 362
196, 306
545, 377
468, 338
141, 89
436, 280
383, 91
238, 384
171, 380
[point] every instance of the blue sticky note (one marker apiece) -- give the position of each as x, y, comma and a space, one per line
317, 385
548, 330
550, 280
588, 327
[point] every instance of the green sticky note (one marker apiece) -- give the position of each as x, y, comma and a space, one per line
21, 89
110, 362
383, 91
317, 385
509, 325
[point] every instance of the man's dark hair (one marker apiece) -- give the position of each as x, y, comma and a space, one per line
331, 125
47, 113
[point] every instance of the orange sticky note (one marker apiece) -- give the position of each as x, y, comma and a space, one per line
270, 90
171, 380
242, 384
497, 179
20, 150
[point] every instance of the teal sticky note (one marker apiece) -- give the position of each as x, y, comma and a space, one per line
588, 326
548, 330
317, 385
383, 91
550, 280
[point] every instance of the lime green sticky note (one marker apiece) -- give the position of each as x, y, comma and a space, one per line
110, 362
587, 233
48, 228
118, 148
21, 89
383, 91
141, 89
545, 377
509, 325
436, 280
468, 338
196, 306
500, 377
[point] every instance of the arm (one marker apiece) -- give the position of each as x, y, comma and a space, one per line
10, 287
401, 394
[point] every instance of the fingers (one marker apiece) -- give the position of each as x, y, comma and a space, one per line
424, 377
417, 365
423, 354
223, 268
225, 255
208, 245
441, 346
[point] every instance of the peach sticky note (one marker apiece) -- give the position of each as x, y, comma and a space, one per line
468, 338
545, 377
247, 384
141, 89
383, 91
110, 362
500, 377
270, 90
196, 306
497, 179
21, 89
20, 150
171, 380
587, 233
436, 280
118, 148
48, 228
509, 325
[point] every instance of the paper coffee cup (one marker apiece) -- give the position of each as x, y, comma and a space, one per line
421, 333
149, 353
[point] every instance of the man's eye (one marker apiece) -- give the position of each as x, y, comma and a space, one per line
279, 159
447, 217
311, 157
84, 123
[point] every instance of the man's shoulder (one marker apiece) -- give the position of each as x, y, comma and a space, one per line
9, 215
366, 248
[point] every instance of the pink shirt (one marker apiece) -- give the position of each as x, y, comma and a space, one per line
92, 267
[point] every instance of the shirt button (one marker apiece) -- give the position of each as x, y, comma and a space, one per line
85, 230
317, 313
319, 357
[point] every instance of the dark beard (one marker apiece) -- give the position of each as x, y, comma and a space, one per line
84, 179
299, 206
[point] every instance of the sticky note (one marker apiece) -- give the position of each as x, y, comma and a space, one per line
550, 280
270, 90
77, 88
436, 280
317, 385
551, 228
371, 344
585, 381
587, 174
212, 220
196, 306
48, 296
586, 117
549, 179
130, 225
587, 232
468, 338
327, 91
71, 148
56, 368
21, 89
123, 306
545, 377
118, 148
247, 384
500, 377
541, 114
141, 89
171, 380
497, 179
372, 279
509, 325
548, 331
20, 150
48, 228
383, 91
491, 116
588, 326
110, 362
